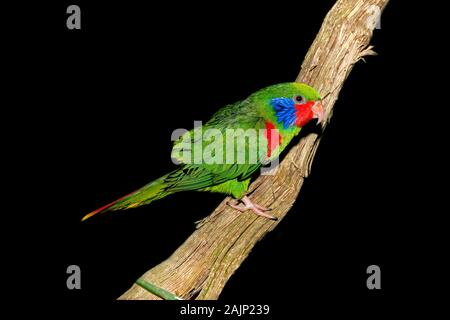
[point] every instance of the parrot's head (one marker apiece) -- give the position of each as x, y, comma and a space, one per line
293, 104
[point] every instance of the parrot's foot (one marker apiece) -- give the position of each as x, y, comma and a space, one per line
256, 208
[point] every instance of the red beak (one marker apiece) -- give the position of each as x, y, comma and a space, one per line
317, 110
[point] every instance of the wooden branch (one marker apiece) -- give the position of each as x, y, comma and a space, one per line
202, 265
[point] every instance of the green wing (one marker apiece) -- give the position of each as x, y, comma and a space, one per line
230, 149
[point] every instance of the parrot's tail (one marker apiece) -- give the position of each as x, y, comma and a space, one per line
155, 190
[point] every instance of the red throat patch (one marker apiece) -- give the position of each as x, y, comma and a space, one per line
273, 137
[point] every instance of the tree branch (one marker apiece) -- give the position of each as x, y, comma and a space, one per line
202, 265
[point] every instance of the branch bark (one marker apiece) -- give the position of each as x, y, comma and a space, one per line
202, 265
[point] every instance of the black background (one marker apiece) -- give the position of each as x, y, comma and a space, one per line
107, 98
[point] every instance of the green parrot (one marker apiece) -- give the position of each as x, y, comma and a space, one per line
223, 154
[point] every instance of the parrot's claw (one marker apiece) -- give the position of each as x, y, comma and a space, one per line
256, 208
261, 207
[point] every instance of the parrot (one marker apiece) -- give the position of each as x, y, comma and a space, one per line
278, 112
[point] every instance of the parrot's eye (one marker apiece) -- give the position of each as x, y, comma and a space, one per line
299, 99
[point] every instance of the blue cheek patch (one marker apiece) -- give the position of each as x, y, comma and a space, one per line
284, 110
